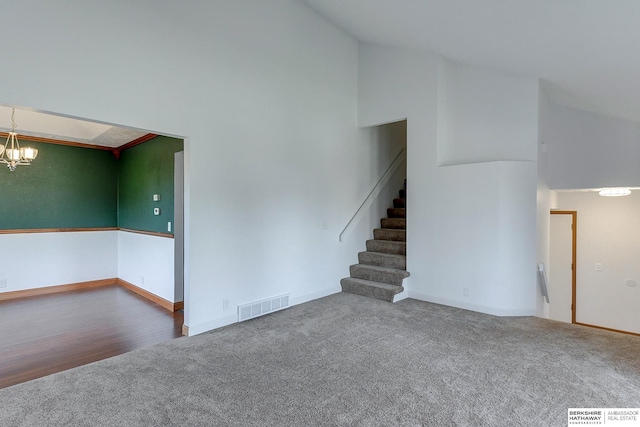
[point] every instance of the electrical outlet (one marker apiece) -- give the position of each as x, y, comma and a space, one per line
225, 304
142, 280
465, 292
169, 226
3, 283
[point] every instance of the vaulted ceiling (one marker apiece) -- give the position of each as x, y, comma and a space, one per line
586, 52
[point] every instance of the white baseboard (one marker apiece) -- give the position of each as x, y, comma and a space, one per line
473, 307
214, 324
315, 295
233, 318
402, 295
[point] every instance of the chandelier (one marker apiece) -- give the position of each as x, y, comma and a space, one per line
11, 154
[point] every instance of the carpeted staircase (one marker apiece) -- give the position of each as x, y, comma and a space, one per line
383, 267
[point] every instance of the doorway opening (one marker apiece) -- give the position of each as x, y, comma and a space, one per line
104, 193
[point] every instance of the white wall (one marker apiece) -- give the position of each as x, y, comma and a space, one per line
36, 260
589, 150
608, 233
471, 226
62, 258
485, 117
265, 92
147, 262
545, 197
268, 95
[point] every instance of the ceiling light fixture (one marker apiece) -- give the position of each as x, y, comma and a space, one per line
614, 192
11, 154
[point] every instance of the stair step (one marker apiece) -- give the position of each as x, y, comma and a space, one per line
399, 203
396, 213
369, 288
387, 247
392, 276
383, 260
399, 223
390, 234
403, 193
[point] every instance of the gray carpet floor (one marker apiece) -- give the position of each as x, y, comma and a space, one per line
347, 360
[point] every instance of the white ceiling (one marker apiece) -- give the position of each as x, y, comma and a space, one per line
587, 52
33, 123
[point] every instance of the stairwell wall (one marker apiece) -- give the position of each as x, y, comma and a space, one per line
387, 142
471, 227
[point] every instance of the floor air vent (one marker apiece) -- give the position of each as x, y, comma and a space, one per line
258, 308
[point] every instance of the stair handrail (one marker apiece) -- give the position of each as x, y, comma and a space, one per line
384, 179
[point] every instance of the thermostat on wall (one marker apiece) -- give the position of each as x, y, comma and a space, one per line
156, 211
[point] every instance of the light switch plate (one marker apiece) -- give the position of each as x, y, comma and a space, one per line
156, 197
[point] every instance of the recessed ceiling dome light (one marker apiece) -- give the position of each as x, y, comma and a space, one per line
614, 192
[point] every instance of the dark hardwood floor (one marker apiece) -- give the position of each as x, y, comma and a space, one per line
50, 333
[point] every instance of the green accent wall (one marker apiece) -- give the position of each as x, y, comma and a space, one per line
64, 187
73, 187
145, 170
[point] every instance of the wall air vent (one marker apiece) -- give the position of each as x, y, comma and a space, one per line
259, 308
